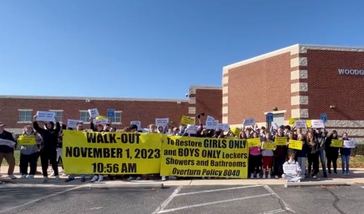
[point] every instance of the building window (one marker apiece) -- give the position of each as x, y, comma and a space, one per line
114, 117
59, 114
25, 115
84, 116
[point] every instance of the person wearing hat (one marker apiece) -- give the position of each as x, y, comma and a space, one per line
48, 150
7, 145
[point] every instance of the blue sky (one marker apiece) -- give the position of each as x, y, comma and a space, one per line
154, 48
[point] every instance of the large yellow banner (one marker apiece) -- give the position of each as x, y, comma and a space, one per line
204, 157
111, 152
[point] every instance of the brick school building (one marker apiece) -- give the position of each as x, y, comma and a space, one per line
299, 81
17, 111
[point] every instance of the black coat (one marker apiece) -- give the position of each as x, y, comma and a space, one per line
49, 136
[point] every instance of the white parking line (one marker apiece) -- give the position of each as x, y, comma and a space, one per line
285, 205
216, 190
40, 199
214, 202
167, 201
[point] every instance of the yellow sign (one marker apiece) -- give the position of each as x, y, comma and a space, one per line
295, 144
235, 131
269, 145
291, 121
254, 142
26, 140
336, 143
308, 123
111, 152
186, 120
280, 141
204, 157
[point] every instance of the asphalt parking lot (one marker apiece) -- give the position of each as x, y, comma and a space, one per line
183, 199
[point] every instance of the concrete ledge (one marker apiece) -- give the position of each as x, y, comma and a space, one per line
316, 183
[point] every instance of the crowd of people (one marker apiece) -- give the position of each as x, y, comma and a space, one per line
262, 163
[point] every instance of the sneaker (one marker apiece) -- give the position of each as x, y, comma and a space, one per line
30, 176
70, 178
24, 176
101, 178
269, 176
131, 178
263, 176
93, 179
11, 176
252, 176
314, 176
164, 178
276, 176
258, 176
138, 178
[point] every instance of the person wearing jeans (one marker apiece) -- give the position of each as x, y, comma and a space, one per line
302, 156
345, 156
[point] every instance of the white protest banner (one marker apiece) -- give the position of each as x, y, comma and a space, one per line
191, 129
316, 124
275, 126
137, 123
102, 120
46, 116
290, 169
8, 143
349, 144
223, 126
210, 122
93, 112
249, 122
300, 124
162, 122
71, 123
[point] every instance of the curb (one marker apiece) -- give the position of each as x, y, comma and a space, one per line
316, 183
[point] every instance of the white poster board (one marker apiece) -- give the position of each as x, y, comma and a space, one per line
71, 123
349, 144
162, 122
300, 124
316, 124
249, 122
211, 123
191, 129
137, 123
223, 126
290, 169
46, 116
93, 112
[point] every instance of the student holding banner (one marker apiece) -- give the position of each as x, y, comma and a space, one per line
267, 153
301, 155
255, 158
7, 145
48, 151
280, 154
29, 152
332, 150
313, 155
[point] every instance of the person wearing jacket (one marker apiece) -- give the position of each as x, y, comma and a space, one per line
321, 139
312, 155
345, 155
48, 150
29, 154
332, 153
302, 155
7, 145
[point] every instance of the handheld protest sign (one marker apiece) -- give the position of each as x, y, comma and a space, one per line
317, 124
254, 142
186, 120
289, 169
269, 146
26, 140
162, 122
291, 121
336, 143
249, 122
280, 141
349, 144
223, 126
93, 112
71, 123
191, 129
46, 116
300, 124
137, 123
295, 144
210, 123
308, 123
102, 120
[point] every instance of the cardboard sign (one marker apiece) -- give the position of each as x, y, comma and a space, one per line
254, 142
137, 123
223, 126
102, 120
295, 144
186, 120
72, 123
349, 144
308, 123
93, 112
317, 124
27, 140
300, 124
162, 122
249, 122
235, 131
46, 116
336, 143
191, 129
211, 123
290, 169
280, 141
269, 146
